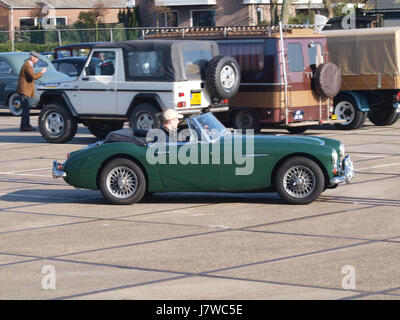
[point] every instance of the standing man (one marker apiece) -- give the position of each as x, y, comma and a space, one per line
26, 88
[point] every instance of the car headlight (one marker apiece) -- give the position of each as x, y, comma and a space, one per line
334, 158
342, 151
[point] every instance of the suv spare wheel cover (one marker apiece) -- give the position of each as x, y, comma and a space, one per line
327, 80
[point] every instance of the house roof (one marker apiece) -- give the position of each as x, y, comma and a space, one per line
62, 4
382, 5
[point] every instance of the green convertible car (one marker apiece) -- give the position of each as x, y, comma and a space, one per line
206, 157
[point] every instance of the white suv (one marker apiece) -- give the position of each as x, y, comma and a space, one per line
135, 81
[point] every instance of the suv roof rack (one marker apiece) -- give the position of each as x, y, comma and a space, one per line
226, 32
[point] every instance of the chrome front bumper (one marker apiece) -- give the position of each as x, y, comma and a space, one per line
57, 170
347, 172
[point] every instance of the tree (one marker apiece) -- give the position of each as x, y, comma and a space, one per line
285, 14
274, 12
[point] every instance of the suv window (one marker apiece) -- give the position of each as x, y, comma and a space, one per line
145, 64
102, 64
4, 67
295, 56
195, 63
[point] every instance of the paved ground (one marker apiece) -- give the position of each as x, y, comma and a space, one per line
198, 246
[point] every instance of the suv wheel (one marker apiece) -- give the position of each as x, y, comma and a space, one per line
100, 129
145, 117
346, 109
223, 77
297, 130
244, 120
56, 124
383, 116
15, 104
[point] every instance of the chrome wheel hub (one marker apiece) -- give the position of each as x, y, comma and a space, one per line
299, 182
145, 121
55, 123
122, 182
345, 111
228, 77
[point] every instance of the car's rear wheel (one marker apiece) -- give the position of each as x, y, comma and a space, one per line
56, 124
100, 129
299, 180
383, 116
145, 117
346, 109
122, 181
15, 104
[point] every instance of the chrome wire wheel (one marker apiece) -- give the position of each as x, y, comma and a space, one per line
55, 124
122, 182
228, 77
299, 182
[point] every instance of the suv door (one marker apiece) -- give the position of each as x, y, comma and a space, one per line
97, 84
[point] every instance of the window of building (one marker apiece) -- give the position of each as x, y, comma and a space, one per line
203, 18
171, 19
295, 56
26, 22
259, 15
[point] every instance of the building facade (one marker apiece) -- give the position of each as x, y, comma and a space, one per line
20, 13
192, 13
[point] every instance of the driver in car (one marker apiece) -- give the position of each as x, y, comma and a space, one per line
170, 121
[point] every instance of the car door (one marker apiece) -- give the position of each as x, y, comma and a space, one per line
97, 84
6, 76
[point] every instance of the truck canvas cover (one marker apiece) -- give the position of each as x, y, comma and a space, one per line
371, 53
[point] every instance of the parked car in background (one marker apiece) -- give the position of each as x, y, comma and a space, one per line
10, 66
74, 50
299, 168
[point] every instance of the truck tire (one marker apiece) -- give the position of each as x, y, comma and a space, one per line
100, 129
383, 116
244, 120
222, 77
346, 109
299, 180
327, 80
56, 124
145, 116
15, 104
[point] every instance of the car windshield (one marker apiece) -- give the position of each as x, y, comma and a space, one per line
207, 127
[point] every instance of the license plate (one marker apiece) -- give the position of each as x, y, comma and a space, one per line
195, 98
334, 117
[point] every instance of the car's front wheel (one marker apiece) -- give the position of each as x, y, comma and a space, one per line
299, 180
56, 124
122, 181
15, 104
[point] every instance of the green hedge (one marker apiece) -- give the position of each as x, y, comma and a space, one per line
26, 47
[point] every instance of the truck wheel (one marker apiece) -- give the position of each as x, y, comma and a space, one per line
122, 181
297, 130
145, 116
346, 109
100, 129
244, 120
383, 116
299, 180
223, 77
15, 104
56, 124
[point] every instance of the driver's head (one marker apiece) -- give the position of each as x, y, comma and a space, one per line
170, 119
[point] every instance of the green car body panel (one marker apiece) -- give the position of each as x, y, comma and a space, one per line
83, 166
